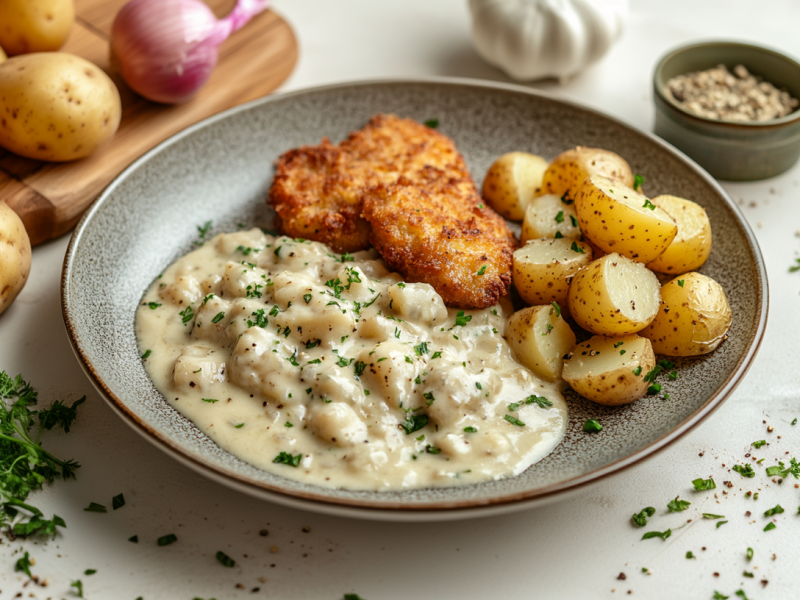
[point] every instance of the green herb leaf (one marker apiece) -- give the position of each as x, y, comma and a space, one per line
638, 180
78, 585
23, 565
118, 501
540, 401
187, 314
744, 471
166, 540
514, 421
225, 560
432, 449
648, 204
153, 305
414, 423
678, 505
471, 429
640, 518
592, 426
95, 507
720, 524
576, 248
556, 307
210, 400
574, 220
704, 484
718, 596
560, 217
680, 282
778, 509
690, 555
218, 317
432, 124
134, 539
90, 571
663, 535
286, 458
146, 354
482, 270
558, 235
462, 319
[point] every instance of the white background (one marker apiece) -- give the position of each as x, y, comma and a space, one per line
573, 548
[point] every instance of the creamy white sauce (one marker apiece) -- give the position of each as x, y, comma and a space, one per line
275, 347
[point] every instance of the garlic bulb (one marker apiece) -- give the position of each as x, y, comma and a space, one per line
533, 39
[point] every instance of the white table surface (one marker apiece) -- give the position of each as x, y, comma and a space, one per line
573, 548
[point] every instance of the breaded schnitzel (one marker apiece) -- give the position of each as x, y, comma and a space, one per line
404, 188
317, 190
441, 233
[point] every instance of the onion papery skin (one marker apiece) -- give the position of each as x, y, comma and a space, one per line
162, 47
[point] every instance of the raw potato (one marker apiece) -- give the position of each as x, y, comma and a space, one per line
614, 296
691, 247
693, 318
618, 219
512, 181
543, 269
610, 371
15, 256
539, 338
548, 215
569, 170
35, 25
56, 106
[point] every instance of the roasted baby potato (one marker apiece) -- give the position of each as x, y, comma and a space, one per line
35, 25
15, 256
618, 219
544, 268
693, 317
692, 245
610, 371
539, 338
2, 55
570, 169
614, 296
65, 106
548, 217
512, 181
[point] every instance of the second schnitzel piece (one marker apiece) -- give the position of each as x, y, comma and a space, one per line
441, 233
317, 190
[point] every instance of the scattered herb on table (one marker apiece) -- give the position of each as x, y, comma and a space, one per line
166, 540
118, 501
23, 565
134, 539
640, 518
689, 554
663, 535
712, 516
778, 509
95, 507
704, 484
90, 571
678, 505
25, 466
225, 560
744, 471
78, 585
759, 443
720, 524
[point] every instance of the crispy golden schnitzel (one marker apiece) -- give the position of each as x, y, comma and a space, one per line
317, 190
404, 188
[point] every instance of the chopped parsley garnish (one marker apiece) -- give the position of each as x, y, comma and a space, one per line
153, 305
680, 282
560, 217
796, 267
712, 516
210, 400
429, 397
621, 352
307, 298
749, 554
663, 535
513, 406
414, 423
316, 361
166, 540
718, 596
436, 354
146, 354
574, 220
556, 307
78, 585
288, 424
470, 429
431, 123
462, 319
344, 362
359, 367
90, 571
23, 565
558, 235
784, 471
759, 443
261, 320
640, 518
541, 401
704, 484
293, 359
653, 389
421, 348
648, 204
253, 290
118, 501
225, 560
513, 420
689, 554
637, 371
566, 199
651, 376
286, 458
432, 449
95, 507
134, 539
549, 329
638, 180
482, 270
312, 343
187, 314
744, 471
592, 426
218, 317
576, 248
770, 526
778, 509
678, 505
202, 230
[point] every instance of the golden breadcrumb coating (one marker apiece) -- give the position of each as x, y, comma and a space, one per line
441, 233
317, 190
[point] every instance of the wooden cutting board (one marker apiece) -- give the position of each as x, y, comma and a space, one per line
51, 197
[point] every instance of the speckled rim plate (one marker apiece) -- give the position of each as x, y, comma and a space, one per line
221, 169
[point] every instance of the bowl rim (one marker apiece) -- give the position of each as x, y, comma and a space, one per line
397, 510
659, 87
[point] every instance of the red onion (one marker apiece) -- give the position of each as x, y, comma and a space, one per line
165, 50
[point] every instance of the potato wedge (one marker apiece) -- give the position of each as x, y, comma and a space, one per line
693, 318
539, 338
692, 245
512, 182
618, 219
548, 217
570, 169
614, 296
610, 371
543, 269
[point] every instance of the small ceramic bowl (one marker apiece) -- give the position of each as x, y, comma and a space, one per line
730, 150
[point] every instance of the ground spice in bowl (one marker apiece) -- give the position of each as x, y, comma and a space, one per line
739, 96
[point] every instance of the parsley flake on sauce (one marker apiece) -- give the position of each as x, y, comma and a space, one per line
414, 423
285, 458
462, 319
513, 420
